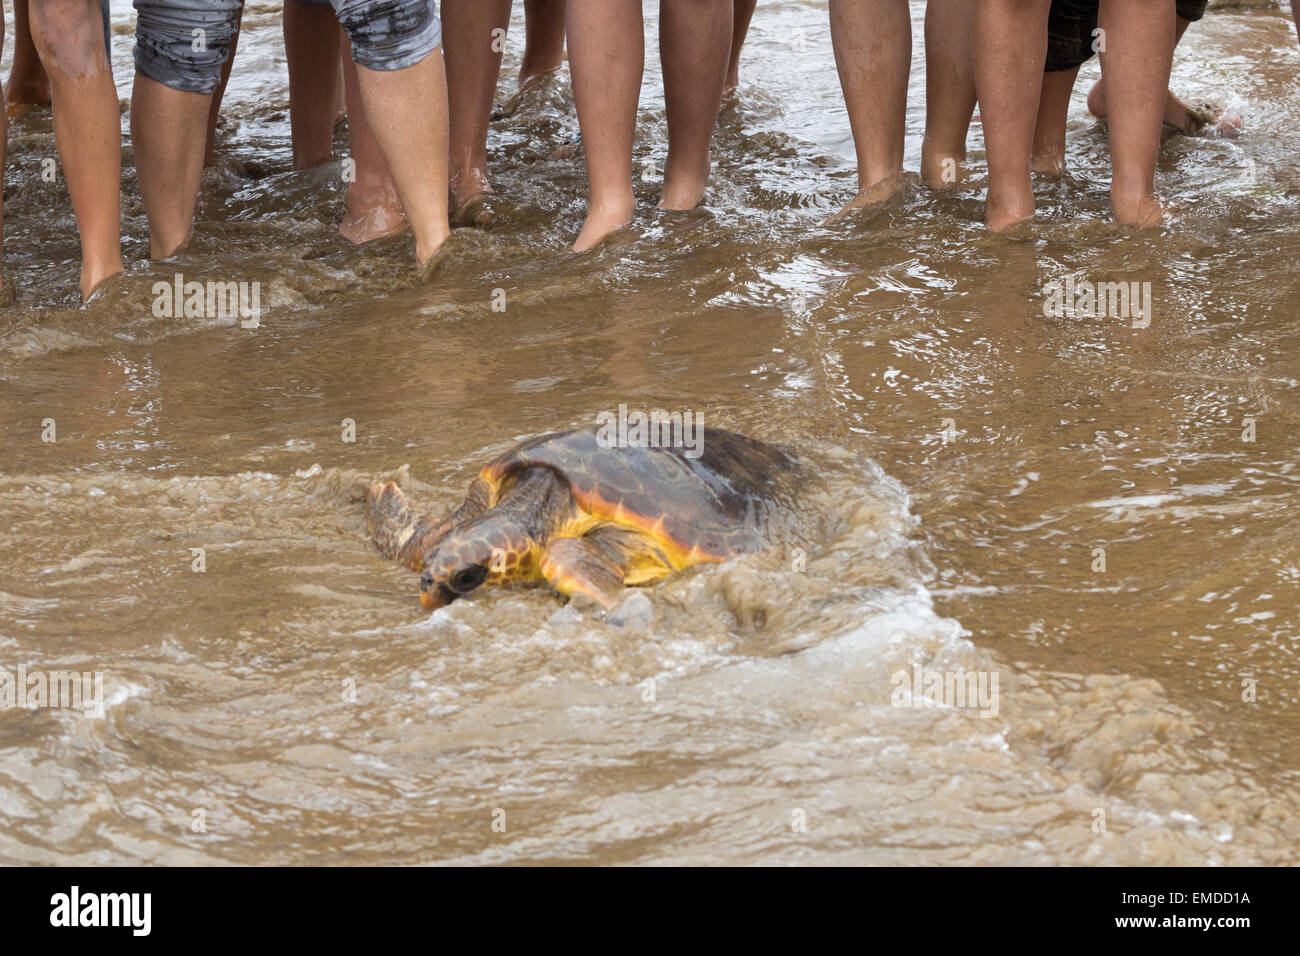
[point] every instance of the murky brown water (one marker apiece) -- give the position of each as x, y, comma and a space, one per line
958, 546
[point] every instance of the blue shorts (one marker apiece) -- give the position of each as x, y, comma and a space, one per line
183, 44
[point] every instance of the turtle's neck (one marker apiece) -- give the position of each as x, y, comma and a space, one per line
539, 501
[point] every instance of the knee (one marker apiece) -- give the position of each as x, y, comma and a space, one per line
184, 48
66, 34
389, 34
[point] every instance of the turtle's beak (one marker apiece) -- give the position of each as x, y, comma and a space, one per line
436, 597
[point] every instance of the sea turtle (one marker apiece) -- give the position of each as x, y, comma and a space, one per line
589, 518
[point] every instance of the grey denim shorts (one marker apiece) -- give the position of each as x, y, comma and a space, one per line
183, 44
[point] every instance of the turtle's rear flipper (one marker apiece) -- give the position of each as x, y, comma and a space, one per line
578, 569
394, 528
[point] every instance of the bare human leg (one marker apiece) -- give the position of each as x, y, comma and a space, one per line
311, 46
407, 112
28, 84
69, 37
873, 53
1010, 51
169, 132
6, 290
544, 39
474, 34
373, 209
214, 109
694, 42
949, 90
606, 58
1139, 52
1049, 129
742, 13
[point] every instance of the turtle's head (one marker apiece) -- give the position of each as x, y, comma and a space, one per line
484, 552
452, 570
439, 590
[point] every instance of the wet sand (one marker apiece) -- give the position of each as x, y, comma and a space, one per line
971, 455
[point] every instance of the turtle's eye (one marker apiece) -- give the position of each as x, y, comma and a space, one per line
426, 580
468, 577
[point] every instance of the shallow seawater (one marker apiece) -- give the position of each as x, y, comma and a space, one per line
974, 463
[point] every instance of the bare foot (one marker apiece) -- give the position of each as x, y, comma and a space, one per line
431, 265
1186, 117
1097, 99
873, 195
1196, 115
1140, 213
371, 214
471, 198
683, 188
570, 148
103, 287
602, 221
530, 86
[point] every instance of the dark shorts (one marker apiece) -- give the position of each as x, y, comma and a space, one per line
183, 44
1070, 27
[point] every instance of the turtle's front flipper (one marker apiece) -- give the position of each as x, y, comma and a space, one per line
398, 532
395, 529
577, 568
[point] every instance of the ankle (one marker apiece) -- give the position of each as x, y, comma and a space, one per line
1007, 206
1137, 208
469, 178
428, 242
93, 274
532, 72
941, 166
1048, 159
612, 203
